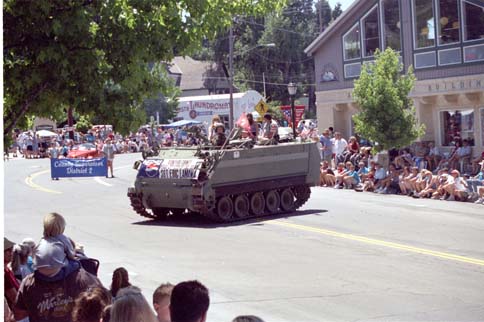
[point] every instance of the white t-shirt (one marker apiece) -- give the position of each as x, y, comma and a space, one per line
459, 184
339, 146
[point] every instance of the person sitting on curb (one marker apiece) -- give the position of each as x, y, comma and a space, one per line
390, 183
475, 182
362, 171
443, 176
340, 173
458, 188
326, 176
351, 179
380, 174
432, 182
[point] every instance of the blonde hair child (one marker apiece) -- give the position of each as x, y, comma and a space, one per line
54, 226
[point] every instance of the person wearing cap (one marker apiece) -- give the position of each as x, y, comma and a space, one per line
108, 151
218, 138
456, 188
48, 294
475, 182
11, 285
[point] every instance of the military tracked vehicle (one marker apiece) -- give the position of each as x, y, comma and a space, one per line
225, 184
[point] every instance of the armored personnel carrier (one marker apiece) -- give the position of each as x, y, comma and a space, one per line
225, 184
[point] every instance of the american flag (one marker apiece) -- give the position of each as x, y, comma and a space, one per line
287, 114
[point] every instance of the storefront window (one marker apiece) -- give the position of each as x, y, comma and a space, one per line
457, 125
424, 23
449, 26
371, 33
473, 15
391, 23
351, 43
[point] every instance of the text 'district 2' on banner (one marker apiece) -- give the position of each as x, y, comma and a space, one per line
64, 168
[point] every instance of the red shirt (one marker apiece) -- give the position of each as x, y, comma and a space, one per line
10, 280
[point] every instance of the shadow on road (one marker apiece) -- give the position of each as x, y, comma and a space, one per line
198, 221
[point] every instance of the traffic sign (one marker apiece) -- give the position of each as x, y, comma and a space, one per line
262, 107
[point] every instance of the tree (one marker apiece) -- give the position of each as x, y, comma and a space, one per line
291, 31
337, 11
83, 124
324, 13
387, 114
92, 55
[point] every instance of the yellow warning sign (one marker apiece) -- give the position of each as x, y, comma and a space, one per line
262, 107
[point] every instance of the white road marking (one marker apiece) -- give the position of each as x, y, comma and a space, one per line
98, 180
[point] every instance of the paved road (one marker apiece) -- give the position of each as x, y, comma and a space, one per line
345, 256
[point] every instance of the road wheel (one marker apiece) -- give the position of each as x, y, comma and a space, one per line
241, 206
160, 213
257, 203
225, 208
287, 200
178, 211
272, 201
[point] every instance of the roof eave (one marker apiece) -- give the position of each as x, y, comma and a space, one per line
309, 50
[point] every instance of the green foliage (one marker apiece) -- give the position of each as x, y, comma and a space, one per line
83, 124
291, 30
275, 111
387, 113
337, 11
92, 56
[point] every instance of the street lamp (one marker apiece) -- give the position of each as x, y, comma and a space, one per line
292, 89
231, 72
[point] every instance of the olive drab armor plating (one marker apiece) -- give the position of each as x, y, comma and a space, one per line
226, 184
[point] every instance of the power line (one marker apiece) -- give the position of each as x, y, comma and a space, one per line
284, 61
282, 29
268, 83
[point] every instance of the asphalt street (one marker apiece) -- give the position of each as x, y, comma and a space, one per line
344, 256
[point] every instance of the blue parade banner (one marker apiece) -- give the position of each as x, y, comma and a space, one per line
65, 168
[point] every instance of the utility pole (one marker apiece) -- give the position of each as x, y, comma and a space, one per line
264, 83
231, 76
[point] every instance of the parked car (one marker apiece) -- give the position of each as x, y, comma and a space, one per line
84, 151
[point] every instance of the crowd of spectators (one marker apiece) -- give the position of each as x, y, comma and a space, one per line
30, 145
420, 172
47, 282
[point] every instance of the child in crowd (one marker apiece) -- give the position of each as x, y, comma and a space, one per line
161, 302
351, 179
54, 226
31, 244
341, 172
326, 176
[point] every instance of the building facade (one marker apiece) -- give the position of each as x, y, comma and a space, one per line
195, 77
442, 39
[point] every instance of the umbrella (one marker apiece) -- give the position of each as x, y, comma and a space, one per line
45, 133
182, 123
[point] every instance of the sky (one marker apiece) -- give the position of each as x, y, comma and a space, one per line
344, 3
